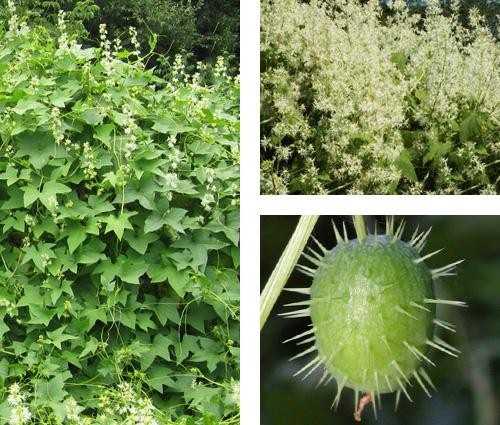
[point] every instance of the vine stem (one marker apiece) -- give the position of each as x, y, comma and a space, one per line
359, 225
285, 266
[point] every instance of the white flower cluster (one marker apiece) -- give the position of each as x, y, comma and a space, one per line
220, 69
128, 405
117, 46
14, 19
179, 70
9, 306
135, 43
19, 412
88, 162
338, 103
175, 158
235, 392
209, 198
57, 126
130, 128
72, 410
63, 35
107, 55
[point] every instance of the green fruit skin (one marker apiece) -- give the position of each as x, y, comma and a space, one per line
354, 296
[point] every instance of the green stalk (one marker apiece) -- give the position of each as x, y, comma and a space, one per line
359, 225
285, 265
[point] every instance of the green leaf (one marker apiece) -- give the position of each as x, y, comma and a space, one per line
437, 150
92, 116
140, 242
199, 244
118, 224
60, 98
90, 347
103, 133
39, 147
51, 189
405, 166
211, 353
165, 309
3, 328
470, 128
128, 318
58, 336
76, 236
93, 315
31, 194
40, 315
172, 218
400, 59
169, 125
178, 279
50, 390
131, 268
10, 174
25, 105
158, 377
90, 252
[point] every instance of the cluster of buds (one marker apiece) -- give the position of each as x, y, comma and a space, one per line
117, 46
9, 306
220, 69
105, 44
29, 220
61, 25
88, 162
45, 260
179, 70
135, 43
171, 141
57, 126
9, 151
130, 127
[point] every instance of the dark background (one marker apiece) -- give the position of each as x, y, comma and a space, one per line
468, 387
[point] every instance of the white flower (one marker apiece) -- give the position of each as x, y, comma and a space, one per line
15, 397
19, 415
207, 200
61, 25
72, 409
134, 41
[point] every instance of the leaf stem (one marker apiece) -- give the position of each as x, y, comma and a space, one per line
359, 225
285, 265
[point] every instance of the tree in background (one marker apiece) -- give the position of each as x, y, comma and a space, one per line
198, 29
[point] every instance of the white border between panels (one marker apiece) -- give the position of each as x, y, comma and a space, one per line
249, 221
380, 205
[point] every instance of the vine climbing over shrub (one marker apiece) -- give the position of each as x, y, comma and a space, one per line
119, 295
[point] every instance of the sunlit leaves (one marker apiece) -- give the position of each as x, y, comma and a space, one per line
114, 262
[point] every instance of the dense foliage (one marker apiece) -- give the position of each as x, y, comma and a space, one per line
363, 98
119, 294
203, 29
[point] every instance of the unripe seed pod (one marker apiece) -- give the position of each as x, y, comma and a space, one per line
373, 314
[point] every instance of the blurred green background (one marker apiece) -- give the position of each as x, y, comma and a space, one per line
468, 387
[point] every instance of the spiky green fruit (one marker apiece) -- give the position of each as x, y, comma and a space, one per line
367, 307
372, 309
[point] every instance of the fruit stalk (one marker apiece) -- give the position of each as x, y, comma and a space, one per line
285, 265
